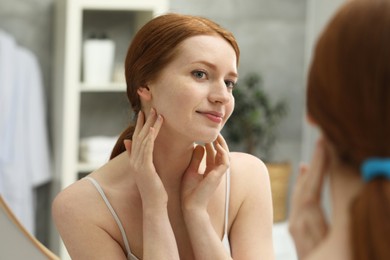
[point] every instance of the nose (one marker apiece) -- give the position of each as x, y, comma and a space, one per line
219, 93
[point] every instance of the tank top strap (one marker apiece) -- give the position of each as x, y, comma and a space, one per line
117, 220
123, 233
225, 238
227, 201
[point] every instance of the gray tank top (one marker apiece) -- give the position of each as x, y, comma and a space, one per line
130, 256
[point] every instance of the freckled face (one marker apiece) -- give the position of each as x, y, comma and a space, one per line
194, 91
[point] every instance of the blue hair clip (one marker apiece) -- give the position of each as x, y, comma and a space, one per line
375, 167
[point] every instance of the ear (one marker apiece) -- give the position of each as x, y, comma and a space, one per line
144, 93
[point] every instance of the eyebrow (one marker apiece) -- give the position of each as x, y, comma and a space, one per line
214, 67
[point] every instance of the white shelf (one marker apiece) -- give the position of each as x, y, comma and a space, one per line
109, 87
144, 5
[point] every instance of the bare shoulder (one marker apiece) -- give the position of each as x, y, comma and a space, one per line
72, 203
84, 223
248, 167
250, 207
249, 179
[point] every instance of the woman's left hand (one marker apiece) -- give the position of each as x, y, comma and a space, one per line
198, 187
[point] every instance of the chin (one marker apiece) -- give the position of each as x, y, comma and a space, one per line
209, 138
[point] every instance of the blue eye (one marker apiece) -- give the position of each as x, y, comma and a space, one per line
199, 74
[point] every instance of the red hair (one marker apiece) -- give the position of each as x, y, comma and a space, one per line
153, 47
349, 98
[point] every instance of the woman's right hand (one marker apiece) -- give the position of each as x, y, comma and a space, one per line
157, 234
140, 153
307, 223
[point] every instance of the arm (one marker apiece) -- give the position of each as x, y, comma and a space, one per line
197, 189
158, 238
251, 231
81, 231
307, 222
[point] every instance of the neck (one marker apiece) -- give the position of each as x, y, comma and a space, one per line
171, 158
345, 186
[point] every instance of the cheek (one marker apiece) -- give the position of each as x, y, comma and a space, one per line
230, 108
172, 103
229, 111
181, 101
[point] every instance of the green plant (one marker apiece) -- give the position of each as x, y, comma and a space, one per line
254, 121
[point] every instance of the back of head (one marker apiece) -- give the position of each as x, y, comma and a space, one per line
154, 46
349, 98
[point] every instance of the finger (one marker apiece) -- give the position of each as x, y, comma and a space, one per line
157, 125
127, 144
148, 124
148, 145
192, 176
223, 143
303, 168
210, 154
143, 158
148, 141
221, 160
138, 127
299, 193
317, 170
222, 156
139, 124
196, 159
302, 176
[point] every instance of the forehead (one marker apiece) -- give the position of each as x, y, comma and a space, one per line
210, 48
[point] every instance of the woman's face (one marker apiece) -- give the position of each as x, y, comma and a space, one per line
194, 91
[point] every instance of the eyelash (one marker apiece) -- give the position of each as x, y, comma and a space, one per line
196, 73
232, 83
229, 83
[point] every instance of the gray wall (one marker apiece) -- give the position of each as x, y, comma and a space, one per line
270, 34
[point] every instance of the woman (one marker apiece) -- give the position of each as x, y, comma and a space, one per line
163, 194
349, 101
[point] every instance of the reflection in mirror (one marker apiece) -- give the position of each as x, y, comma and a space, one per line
16, 242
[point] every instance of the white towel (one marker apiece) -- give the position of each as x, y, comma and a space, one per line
96, 149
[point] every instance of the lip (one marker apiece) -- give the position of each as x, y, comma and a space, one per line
213, 116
